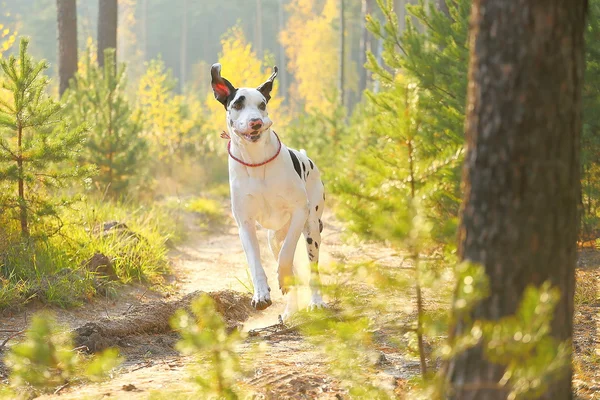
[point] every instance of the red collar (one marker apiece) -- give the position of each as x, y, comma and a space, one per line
226, 136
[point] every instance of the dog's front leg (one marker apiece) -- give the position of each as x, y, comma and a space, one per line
262, 297
285, 270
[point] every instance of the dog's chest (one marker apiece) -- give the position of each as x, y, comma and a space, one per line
268, 201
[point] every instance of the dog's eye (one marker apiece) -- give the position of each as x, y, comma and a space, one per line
262, 106
237, 106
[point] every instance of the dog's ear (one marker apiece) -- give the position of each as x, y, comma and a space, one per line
266, 87
222, 88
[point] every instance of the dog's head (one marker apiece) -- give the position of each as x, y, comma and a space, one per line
247, 114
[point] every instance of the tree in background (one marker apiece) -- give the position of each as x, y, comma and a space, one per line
312, 46
108, 11
37, 146
97, 97
172, 122
424, 60
66, 12
7, 38
341, 49
519, 218
237, 55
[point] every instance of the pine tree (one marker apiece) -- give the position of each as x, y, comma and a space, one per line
115, 145
37, 145
417, 110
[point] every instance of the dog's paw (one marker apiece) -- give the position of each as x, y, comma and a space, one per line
261, 300
316, 303
285, 277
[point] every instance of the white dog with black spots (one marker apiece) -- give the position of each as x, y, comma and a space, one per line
271, 185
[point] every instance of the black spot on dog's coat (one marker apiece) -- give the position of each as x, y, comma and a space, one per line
317, 245
320, 226
317, 208
307, 173
312, 166
230, 98
296, 163
309, 240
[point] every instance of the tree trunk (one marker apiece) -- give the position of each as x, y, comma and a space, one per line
342, 53
183, 48
21, 182
522, 170
283, 78
66, 13
364, 46
144, 30
400, 8
258, 30
108, 12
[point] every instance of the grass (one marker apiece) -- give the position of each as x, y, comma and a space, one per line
210, 209
53, 270
586, 288
205, 211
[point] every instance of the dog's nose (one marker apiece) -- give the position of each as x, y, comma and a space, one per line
256, 123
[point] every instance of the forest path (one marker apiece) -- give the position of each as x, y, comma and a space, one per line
284, 366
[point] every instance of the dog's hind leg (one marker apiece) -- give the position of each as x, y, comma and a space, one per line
312, 233
285, 260
275, 241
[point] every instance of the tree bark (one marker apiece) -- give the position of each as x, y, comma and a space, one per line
522, 169
66, 15
108, 12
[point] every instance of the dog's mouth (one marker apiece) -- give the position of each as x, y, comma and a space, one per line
251, 136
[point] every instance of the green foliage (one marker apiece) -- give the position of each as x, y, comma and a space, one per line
352, 357
590, 139
172, 122
411, 130
97, 97
205, 336
522, 342
209, 209
54, 270
38, 146
46, 358
320, 135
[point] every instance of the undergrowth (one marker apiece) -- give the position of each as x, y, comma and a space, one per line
55, 271
46, 359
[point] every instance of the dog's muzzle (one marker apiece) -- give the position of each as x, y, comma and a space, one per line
251, 136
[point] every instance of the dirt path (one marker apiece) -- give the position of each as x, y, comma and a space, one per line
287, 366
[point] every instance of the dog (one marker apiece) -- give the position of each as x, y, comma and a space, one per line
271, 185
